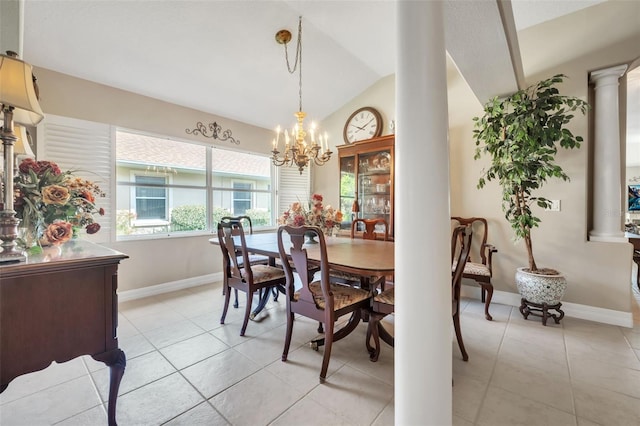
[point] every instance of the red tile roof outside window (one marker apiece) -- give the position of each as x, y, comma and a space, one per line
149, 150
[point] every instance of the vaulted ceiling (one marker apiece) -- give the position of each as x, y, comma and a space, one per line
221, 57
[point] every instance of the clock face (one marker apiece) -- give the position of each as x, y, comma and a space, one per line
365, 123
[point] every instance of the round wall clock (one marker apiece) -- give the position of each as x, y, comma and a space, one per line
364, 123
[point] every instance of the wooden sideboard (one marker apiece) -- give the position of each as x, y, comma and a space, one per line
57, 306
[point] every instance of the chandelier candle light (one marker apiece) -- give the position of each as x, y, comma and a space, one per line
296, 149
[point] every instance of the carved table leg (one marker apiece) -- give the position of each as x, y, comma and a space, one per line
264, 298
372, 332
343, 332
116, 360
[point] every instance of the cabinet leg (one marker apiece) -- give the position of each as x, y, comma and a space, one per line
116, 360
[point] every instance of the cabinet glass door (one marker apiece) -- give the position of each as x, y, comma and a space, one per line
374, 185
347, 189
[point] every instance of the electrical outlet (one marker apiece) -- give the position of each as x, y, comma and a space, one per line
555, 206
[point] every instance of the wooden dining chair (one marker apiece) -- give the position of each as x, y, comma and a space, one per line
368, 230
479, 268
319, 300
460, 248
383, 304
255, 259
239, 273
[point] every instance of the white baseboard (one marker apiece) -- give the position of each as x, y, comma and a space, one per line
154, 290
574, 310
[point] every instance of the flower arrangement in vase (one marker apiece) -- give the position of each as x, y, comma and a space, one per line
312, 214
53, 204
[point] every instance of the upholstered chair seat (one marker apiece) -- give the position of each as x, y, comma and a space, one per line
343, 295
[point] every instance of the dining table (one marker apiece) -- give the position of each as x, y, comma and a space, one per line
367, 258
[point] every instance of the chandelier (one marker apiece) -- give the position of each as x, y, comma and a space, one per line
297, 150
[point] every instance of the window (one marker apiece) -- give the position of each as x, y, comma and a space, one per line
241, 198
168, 187
151, 201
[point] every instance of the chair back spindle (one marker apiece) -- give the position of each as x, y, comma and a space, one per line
369, 232
234, 256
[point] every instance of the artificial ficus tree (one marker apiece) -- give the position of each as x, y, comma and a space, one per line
521, 134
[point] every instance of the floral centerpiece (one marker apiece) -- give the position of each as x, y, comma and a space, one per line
53, 204
312, 214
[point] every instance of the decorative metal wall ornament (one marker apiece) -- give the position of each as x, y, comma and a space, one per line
216, 132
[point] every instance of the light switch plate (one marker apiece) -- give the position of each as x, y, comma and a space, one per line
555, 206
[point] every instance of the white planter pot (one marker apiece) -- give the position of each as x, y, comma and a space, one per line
540, 289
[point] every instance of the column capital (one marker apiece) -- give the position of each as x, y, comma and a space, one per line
617, 72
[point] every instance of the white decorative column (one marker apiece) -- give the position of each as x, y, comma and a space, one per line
423, 339
11, 23
607, 189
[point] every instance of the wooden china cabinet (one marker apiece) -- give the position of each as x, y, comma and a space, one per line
367, 180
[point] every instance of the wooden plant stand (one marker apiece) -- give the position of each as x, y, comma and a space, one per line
541, 310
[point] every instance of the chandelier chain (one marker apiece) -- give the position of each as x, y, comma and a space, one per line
298, 61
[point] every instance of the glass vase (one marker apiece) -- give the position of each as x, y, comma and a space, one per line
28, 240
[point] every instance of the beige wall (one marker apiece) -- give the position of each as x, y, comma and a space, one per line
155, 261
599, 274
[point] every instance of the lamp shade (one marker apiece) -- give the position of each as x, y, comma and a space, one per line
21, 147
17, 90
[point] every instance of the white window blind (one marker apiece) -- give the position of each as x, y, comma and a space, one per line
86, 148
292, 187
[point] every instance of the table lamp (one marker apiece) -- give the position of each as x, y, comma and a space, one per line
21, 147
19, 102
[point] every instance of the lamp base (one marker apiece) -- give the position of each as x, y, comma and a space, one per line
8, 234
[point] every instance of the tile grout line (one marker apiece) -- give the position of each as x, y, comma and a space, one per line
493, 369
571, 380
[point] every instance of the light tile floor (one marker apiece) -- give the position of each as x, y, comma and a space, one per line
184, 368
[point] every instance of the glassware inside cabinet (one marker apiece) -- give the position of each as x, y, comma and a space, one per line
371, 179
